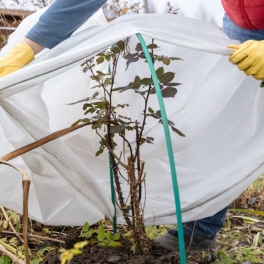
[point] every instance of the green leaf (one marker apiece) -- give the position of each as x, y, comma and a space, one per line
137, 82
35, 261
257, 240
166, 61
174, 129
121, 45
120, 89
152, 232
100, 73
8, 247
152, 46
107, 81
174, 58
167, 77
169, 92
85, 69
224, 258
131, 61
108, 57
117, 129
151, 110
158, 113
5, 260
115, 50
138, 47
246, 211
146, 81
91, 110
122, 105
99, 105
229, 224
84, 234
99, 152
102, 244
128, 234
142, 55
160, 72
101, 234
129, 128
100, 60
91, 232
149, 140
5, 224
112, 243
80, 245
173, 84
85, 106
141, 92
116, 236
152, 91
133, 248
85, 227
95, 94
142, 141
130, 56
46, 231
108, 236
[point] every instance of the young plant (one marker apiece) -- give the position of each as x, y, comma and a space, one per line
86, 231
109, 123
103, 238
107, 239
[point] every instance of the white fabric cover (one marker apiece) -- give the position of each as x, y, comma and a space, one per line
218, 108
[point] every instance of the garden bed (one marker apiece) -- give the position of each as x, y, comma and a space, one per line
122, 254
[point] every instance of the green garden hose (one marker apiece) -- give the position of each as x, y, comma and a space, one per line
169, 148
112, 184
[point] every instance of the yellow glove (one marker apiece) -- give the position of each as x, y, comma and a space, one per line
15, 59
249, 57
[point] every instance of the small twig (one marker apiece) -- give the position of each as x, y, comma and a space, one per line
121, 175
11, 225
25, 186
139, 181
191, 236
42, 141
92, 72
59, 233
14, 258
118, 159
145, 190
128, 144
34, 236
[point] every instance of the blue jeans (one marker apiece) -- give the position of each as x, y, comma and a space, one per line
235, 32
61, 19
207, 227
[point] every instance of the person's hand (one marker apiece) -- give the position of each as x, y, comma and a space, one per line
249, 57
16, 58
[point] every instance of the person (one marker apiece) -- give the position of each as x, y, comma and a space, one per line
244, 21
58, 23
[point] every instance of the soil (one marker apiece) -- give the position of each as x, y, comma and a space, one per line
107, 255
